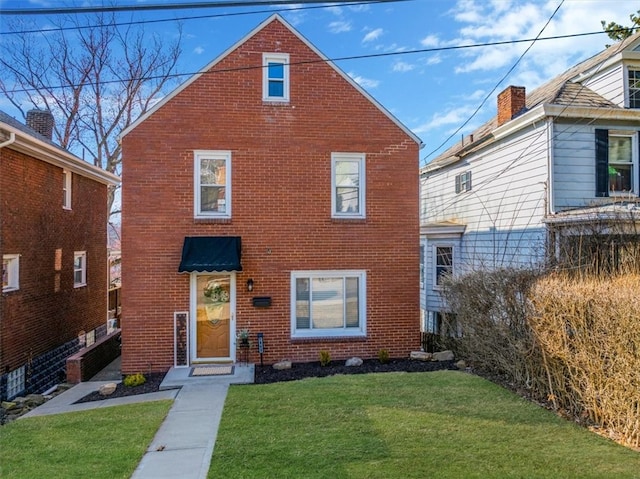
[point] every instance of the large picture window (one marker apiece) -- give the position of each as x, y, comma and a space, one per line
328, 303
275, 77
348, 185
212, 184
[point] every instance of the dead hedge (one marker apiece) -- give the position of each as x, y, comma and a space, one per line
574, 342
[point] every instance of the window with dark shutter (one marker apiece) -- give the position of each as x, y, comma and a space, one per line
602, 163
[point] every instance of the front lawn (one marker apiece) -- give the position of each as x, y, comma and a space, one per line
443, 424
101, 443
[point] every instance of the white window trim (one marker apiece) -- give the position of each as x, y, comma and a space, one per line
13, 272
66, 189
627, 89
362, 188
635, 163
359, 332
215, 155
282, 58
83, 269
434, 268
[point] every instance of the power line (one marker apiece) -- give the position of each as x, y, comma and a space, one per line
333, 60
197, 17
497, 84
172, 6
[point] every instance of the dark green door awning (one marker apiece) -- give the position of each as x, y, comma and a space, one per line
210, 254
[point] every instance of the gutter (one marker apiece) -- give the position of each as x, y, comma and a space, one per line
12, 139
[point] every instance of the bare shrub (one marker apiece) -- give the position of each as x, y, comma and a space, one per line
590, 333
491, 309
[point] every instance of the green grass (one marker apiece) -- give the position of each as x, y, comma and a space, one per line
404, 425
101, 443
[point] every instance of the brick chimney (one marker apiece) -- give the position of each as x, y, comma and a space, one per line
41, 121
511, 102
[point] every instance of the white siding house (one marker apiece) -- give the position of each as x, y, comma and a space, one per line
520, 189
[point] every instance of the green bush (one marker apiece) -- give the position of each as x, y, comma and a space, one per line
133, 380
325, 358
383, 356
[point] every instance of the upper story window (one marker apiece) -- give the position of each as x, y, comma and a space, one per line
443, 264
616, 162
79, 269
275, 77
634, 88
328, 303
10, 272
212, 183
463, 182
348, 185
66, 189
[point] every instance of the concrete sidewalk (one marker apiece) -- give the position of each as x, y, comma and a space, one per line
183, 445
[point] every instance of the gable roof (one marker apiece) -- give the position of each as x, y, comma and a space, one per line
272, 18
21, 138
564, 90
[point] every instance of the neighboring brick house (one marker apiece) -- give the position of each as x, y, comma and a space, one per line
269, 192
53, 219
552, 180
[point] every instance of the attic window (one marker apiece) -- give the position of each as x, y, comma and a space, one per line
275, 77
463, 182
634, 88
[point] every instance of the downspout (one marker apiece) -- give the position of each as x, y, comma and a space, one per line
12, 139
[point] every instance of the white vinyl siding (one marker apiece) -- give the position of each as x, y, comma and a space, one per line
275, 77
348, 185
609, 84
328, 304
212, 184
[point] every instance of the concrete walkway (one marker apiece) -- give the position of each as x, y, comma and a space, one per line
183, 445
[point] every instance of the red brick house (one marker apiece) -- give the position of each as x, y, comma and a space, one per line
270, 193
53, 240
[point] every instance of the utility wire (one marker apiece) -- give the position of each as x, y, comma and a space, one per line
497, 84
333, 60
197, 17
171, 6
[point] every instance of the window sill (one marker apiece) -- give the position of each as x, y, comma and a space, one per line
348, 219
10, 289
80, 285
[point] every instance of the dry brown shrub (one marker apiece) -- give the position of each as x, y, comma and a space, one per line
491, 308
589, 331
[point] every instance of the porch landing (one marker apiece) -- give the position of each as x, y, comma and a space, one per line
177, 377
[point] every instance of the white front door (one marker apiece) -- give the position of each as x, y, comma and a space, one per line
213, 299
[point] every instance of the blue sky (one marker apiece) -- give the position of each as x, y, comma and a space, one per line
432, 92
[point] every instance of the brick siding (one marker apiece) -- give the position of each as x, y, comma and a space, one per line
281, 205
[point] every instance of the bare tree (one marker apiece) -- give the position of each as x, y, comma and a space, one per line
94, 76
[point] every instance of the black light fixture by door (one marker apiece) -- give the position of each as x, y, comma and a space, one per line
250, 284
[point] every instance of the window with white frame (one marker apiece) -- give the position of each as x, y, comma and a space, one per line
443, 264
463, 182
348, 185
66, 189
622, 170
275, 77
10, 272
422, 267
633, 87
79, 269
212, 180
328, 303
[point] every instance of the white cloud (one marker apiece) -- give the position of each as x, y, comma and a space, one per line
454, 116
339, 27
430, 41
364, 82
434, 59
372, 35
198, 50
401, 66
